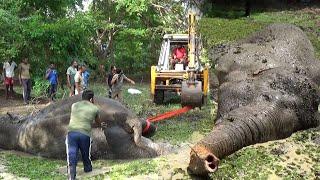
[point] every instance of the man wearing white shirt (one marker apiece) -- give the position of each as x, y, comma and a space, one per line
8, 72
79, 80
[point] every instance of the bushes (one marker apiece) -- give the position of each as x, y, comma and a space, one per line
40, 87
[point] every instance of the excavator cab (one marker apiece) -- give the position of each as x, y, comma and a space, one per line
186, 76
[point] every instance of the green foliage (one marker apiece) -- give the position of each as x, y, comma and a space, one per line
11, 39
32, 167
40, 87
56, 31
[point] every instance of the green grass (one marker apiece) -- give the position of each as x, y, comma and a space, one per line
32, 167
218, 30
133, 168
177, 129
259, 162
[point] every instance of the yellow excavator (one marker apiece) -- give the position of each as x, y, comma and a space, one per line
191, 80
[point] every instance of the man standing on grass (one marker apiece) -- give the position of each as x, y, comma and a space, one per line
71, 72
52, 77
117, 83
84, 116
8, 74
85, 77
78, 79
109, 79
24, 77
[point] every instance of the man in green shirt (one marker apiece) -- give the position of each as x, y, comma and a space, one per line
71, 72
84, 115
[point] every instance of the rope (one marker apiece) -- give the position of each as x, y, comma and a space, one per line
169, 114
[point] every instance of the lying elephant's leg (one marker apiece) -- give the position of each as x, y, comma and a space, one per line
8, 134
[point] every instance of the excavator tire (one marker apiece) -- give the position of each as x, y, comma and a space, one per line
158, 96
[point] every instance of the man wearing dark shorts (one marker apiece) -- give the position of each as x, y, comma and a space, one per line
8, 73
52, 76
83, 114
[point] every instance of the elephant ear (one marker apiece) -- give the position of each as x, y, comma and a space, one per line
121, 120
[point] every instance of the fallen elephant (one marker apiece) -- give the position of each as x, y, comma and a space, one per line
44, 133
268, 89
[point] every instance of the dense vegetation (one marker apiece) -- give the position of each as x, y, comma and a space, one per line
124, 32
109, 32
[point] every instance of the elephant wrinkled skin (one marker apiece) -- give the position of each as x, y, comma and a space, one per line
44, 133
267, 90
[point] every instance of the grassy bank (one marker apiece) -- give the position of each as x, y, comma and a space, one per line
216, 30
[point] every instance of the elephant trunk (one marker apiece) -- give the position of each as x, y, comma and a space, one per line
242, 127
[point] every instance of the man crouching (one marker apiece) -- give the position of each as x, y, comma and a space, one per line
84, 115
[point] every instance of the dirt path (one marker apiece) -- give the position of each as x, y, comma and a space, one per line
15, 105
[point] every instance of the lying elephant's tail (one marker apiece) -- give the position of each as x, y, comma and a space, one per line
8, 132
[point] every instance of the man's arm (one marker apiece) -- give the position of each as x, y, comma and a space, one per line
77, 80
4, 70
128, 79
68, 78
15, 66
97, 121
48, 73
57, 80
19, 72
114, 79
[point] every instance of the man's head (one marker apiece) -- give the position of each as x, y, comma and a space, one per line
82, 68
88, 95
25, 60
113, 69
118, 71
52, 65
74, 63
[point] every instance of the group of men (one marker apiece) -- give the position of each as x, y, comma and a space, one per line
24, 78
77, 79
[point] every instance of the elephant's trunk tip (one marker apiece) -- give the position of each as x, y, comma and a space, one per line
211, 163
202, 161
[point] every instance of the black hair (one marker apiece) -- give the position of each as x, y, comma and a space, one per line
119, 71
112, 67
73, 61
81, 66
87, 95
